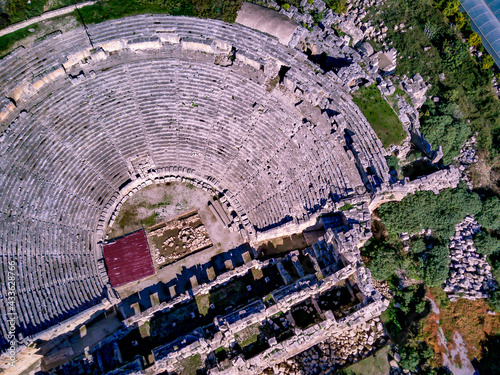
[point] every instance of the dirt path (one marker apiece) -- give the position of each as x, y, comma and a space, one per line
44, 17
456, 359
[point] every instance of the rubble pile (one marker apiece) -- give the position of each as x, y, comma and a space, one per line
470, 274
338, 351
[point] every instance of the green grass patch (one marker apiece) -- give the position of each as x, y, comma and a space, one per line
203, 303
144, 329
224, 10
380, 116
248, 336
257, 274
150, 220
128, 217
373, 365
56, 4
8, 41
346, 207
190, 365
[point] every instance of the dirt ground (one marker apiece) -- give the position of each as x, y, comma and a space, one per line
166, 202
483, 175
456, 330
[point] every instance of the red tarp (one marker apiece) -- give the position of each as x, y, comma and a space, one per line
128, 259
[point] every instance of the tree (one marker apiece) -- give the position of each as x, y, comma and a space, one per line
424, 210
490, 214
418, 246
443, 126
485, 243
436, 266
384, 260
414, 355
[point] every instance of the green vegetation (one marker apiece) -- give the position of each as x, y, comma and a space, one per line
424, 209
7, 41
443, 126
144, 329
372, 365
203, 303
394, 167
338, 6
248, 336
346, 207
436, 265
150, 220
317, 17
128, 216
427, 260
19, 10
384, 260
486, 244
190, 365
111, 9
402, 320
380, 115
467, 81
490, 214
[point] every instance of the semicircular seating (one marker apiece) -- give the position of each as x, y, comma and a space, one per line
83, 120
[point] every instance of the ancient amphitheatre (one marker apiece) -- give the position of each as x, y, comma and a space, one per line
93, 115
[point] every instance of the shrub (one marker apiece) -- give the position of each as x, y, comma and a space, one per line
488, 62
414, 355
418, 246
286, 6
442, 129
474, 40
405, 309
436, 265
337, 6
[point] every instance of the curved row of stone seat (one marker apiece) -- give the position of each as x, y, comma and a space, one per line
190, 132
150, 25
48, 291
41, 172
99, 122
252, 41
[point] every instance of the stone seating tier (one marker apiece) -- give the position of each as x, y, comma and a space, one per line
140, 104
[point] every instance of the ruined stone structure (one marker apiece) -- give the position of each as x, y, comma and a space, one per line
332, 264
86, 122
90, 116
